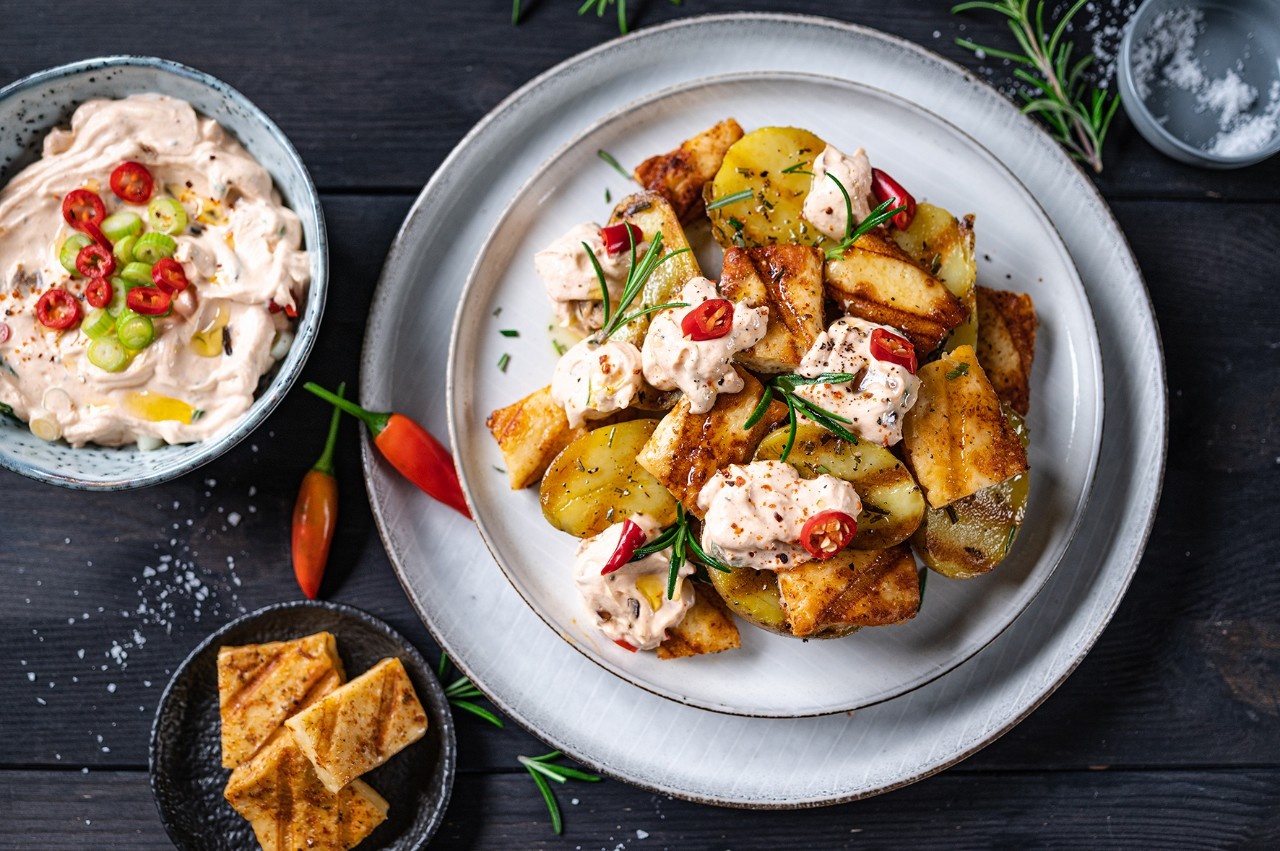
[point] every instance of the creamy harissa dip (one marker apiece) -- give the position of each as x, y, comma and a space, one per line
241, 252
824, 206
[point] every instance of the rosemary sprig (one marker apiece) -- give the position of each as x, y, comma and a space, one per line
541, 768
1078, 115
797, 168
680, 538
598, 5
878, 216
638, 274
785, 386
462, 691
730, 199
609, 158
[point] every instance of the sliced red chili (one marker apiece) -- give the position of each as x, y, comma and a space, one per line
618, 238
58, 309
99, 292
291, 311
885, 187
4, 333
272, 307
827, 533
708, 321
149, 301
168, 276
81, 207
132, 182
95, 261
891, 348
632, 537
625, 645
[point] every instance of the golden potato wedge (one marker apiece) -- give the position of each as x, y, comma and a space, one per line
679, 175
942, 245
687, 449
853, 589
1007, 344
260, 685
530, 433
892, 504
787, 279
289, 808
706, 628
596, 482
956, 437
753, 596
876, 280
771, 216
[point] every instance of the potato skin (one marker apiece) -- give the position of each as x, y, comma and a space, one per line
942, 245
680, 175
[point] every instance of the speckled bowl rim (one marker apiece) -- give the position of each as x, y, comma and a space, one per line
435, 701
308, 326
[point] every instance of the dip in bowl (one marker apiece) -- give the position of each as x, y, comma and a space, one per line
142, 429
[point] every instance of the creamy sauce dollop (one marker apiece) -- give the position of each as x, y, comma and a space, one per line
824, 206
631, 603
701, 368
570, 278
755, 513
594, 379
881, 393
241, 251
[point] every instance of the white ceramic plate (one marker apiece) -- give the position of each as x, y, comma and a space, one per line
772, 675
531, 673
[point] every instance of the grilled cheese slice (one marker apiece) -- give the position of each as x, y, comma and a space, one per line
361, 725
291, 810
260, 685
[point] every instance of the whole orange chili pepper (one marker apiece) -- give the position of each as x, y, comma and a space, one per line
410, 448
315, 515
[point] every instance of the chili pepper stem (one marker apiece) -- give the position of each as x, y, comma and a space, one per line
325, 462
375, 420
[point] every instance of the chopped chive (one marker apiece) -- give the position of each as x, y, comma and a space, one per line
509, 332
499, 469
608, 157
503, 361
497, 311
962, 368
608, 196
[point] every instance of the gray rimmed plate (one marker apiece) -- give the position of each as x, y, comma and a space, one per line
187, 777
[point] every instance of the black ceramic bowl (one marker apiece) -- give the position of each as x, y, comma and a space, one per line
187, 776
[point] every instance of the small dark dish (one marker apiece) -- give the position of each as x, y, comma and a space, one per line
187, 777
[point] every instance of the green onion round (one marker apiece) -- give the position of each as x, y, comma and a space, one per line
71, 250
120, 224
135, 331
119, 290
166, 216
123, 249
108, 354
98, 323
154, 246
137, 273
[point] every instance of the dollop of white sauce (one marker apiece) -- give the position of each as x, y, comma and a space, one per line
877, 399
623, 603
570, 278
701, 368
755, 513
824, 206
594, 379
242, 251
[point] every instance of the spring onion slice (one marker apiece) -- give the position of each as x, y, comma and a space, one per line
167, 216
70, 250
154, 246
120, 224
98, 323
137, 273
135, 331
123, 249
119, 291
108, 354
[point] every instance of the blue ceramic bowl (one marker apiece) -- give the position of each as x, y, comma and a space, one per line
33, 106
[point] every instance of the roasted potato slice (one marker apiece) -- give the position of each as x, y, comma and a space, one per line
758, 162
892, 505
943, 246
679, 175
687, 449
972, 535
753, 596
956, 437
1007, 344
787, 279
596, 482
530, 433
706, 628
876, 280
855, 588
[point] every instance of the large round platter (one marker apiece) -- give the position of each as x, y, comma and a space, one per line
775, 676
530, 671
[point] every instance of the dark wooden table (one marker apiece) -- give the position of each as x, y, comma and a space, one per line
1168, 734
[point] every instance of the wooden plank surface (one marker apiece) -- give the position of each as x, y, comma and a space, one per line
1180, 699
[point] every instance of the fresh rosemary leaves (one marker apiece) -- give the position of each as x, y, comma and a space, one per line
461, 692
784, 386
680, 538
878, 216
541, 768
1077, 114
637, 275
599, 6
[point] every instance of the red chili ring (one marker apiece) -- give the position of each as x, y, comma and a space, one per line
95, 261
58, 309
169, 276
132, 182
148, 301
99, 292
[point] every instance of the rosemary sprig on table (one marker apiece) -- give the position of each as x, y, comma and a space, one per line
785, 386
598, 5
541, 768
462, 691
680, 538
638, 274
1078, 115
